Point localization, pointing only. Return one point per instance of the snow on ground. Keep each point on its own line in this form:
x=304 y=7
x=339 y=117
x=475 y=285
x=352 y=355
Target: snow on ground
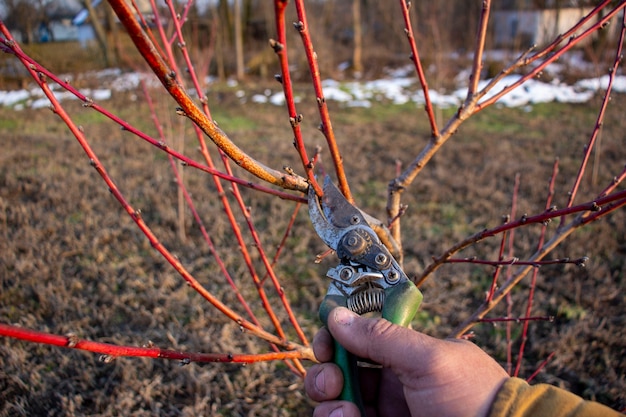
x=399 y=87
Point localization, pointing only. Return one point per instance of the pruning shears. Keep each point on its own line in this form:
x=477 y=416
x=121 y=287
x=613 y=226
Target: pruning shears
x=367 y=279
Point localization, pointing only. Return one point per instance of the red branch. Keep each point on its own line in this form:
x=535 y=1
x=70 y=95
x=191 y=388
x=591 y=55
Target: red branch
x=509 y=273
x=516 y=319
x=533 y=281
x=515 y=261
x=415 y=57
x=170 y=81
x=605 y=102
x=73 y=342
x=280 y=48
x=135 y=215
x=326 y=125
x=540 y=367
x=596 y=208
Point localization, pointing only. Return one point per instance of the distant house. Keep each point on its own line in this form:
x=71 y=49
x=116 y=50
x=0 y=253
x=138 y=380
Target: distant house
x=523 y=28
x=61 y=25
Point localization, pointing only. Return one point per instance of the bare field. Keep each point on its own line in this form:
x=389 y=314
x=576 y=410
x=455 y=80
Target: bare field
x=71 y=261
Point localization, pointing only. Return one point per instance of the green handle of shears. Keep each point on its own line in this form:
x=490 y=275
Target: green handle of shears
x=401 y=304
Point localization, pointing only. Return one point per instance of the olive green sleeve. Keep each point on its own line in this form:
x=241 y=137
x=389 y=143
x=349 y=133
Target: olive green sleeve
x=516 y=398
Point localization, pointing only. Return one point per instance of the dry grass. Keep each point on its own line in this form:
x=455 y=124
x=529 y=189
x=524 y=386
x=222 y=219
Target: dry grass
x=70 y=261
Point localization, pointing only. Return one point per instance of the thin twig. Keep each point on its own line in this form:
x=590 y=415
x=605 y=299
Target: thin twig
x=479 y=49
x=509 y=270
x=516 y=261
x=540 y=367
x=516 y=319
x=533 y=281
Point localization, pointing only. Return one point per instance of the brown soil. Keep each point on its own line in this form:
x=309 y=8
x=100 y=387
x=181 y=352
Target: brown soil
x=72 y=261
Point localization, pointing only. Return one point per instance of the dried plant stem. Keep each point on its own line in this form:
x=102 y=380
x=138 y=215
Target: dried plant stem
x=169 y=80
x=325 y=125
x=73 y=342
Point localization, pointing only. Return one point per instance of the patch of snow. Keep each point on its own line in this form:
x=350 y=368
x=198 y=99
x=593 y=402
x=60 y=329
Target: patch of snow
x=277 y=99
x=101 y=94
x=10 y=98
x=601 y=83
x=259 y=98
x=359 y=103
x=398 y=88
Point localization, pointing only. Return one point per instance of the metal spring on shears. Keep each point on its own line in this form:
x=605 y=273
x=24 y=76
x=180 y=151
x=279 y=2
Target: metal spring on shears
x=366 y=301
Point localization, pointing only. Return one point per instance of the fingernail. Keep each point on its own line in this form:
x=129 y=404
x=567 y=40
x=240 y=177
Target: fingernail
x=337 y=412
x=344 y=316
x=320 y=382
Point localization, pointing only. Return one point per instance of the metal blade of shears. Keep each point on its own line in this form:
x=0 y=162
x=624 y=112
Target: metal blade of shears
x=333 y=214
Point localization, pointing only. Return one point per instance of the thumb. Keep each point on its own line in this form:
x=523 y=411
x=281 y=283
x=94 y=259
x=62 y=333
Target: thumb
x=381 y=341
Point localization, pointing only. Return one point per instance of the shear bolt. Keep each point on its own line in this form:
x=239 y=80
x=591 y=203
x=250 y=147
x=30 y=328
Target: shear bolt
x=354 y=244
x=346 y=273
x=380 y=259
x=392 y=277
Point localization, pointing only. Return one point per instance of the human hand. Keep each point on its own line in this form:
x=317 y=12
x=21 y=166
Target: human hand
x=420 y=375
